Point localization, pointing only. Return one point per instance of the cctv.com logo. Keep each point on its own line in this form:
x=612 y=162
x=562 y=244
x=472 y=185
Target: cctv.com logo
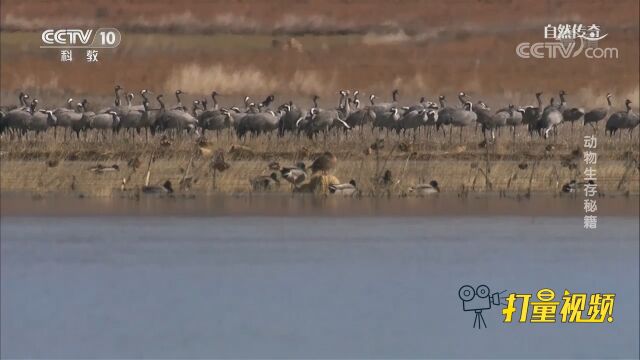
x=561 y=42
x=559 y=50
x=479 y=300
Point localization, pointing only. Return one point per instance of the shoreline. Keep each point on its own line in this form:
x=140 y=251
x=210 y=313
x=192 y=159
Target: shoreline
x=22 y=204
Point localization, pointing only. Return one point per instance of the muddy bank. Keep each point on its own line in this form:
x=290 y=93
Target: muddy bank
x=488 y=204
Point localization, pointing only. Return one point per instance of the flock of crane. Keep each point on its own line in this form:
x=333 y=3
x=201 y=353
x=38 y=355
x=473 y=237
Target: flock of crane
x=262 y=118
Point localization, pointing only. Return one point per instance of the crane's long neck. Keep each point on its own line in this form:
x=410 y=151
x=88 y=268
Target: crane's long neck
x=443 y=103
x=178 y=98
x=539 y=101
x=117 y=102
x=315 y=102
x=215 y=102
x=161 y=103
x=628 y=106
x=395 y=96
x=609 y=101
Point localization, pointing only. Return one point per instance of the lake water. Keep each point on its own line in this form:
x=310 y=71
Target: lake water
x=299 y=286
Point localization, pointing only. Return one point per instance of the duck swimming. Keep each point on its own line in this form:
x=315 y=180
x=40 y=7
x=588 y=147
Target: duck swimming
x=99 y=169
x=165 y=188
x=426 y=189
x=347 y=189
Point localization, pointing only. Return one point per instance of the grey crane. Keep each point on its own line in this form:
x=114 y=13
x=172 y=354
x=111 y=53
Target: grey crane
x=149 y=121
x=413 y=119
x=484 y=116
x=462 y=118
x=387 y=120
x=515 y=119
x=117 y=89
x=532 y=114
x=175 y=119
x=444 y=114
x=360 y=116
x=493 y=122
x=234 y=116
x=215 y=119
x=216 y=106
x=570 y=114
x=288 y=120
x=551 y=117
x=103 y=122
x=264 y=105
x=71 y=119
x=16 y=119
x=382 y=108
x=22 y=103
x=41 y=121
x=179 y=105
x=598 y=114
x=258 y=123
x=80 y=119
x=322 y=120
x=620 y=120
x=131 y=119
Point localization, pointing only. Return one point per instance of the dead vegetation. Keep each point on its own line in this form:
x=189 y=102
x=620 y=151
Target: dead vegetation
x=381 y=168
x=304 y=17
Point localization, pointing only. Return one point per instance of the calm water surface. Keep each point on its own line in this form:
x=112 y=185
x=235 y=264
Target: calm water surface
x=321 y=287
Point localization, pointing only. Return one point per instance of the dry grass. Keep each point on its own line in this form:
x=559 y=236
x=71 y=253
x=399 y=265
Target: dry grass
x=309 y=16
x=459 y=168
x=484 y=66
x=423 y=48
x=196 y=79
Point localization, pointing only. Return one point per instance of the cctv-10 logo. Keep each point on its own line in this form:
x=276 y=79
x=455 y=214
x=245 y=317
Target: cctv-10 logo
x=81 y=38
x=523 y=308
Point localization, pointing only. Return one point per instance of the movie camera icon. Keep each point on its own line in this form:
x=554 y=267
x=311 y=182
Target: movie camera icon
x=479 y=299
